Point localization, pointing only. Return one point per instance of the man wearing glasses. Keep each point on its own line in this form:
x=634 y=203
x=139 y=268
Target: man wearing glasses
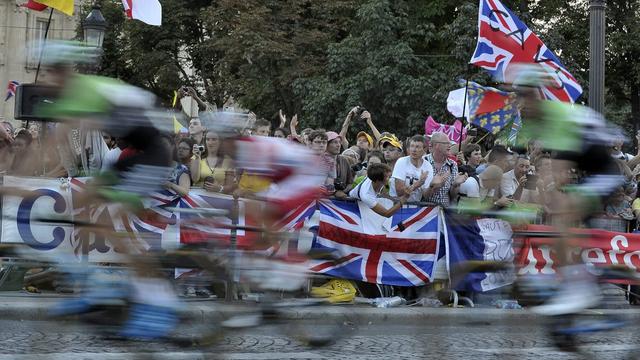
x=447 y=181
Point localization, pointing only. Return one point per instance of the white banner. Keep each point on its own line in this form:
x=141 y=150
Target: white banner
x=53 y=199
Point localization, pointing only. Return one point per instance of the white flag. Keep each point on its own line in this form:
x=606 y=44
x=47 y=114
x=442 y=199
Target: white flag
x=455 y=103
x=147 y=11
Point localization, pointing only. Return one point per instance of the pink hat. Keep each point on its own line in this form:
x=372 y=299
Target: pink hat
x=332 y=135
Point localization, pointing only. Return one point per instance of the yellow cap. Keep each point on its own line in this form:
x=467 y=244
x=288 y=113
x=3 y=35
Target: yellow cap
x=369 y=138
x=391 y=139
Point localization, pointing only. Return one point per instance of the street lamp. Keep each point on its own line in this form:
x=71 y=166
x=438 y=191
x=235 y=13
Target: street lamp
x=94 y=27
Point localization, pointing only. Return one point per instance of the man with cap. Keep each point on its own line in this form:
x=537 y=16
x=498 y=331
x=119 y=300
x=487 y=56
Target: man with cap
x=391 y=148
x=364 y=141
x=344 y=173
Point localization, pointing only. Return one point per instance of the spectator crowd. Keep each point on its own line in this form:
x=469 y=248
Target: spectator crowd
x=368 y=167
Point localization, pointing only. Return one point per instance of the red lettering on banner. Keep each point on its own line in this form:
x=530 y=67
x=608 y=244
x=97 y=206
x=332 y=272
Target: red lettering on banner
x=600 y=248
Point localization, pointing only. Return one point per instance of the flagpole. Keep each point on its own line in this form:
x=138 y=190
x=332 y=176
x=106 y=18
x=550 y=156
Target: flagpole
x=44 y=42
x=464 y=109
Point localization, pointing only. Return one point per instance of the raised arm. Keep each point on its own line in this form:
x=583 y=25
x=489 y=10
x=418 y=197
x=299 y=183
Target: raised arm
x=345 y=127
x=283 y=119
x=292 y=127
x=367 y=116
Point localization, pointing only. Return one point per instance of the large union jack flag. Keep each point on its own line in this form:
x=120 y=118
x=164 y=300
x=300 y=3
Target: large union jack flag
x=404 y=254
x=504 y=40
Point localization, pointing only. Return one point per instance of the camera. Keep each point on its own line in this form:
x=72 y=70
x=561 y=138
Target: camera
x=200 y=148
x=359 y=166
x=339 y=185
x=472 y=132
x=532 y=181
x=359 y=111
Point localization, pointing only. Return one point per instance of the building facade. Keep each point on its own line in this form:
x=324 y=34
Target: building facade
x=20 y=27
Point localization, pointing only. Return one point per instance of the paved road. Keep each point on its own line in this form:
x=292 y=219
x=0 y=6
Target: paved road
x=21 y=340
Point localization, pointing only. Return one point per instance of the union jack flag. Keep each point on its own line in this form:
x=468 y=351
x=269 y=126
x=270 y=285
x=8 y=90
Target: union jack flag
x=145 y=230
x=197 y=228
x=404 y=253
x=11 y=89
x=504 y=40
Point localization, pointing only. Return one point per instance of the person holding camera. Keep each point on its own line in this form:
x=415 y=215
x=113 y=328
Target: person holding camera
x=520 y=183
x=210 y=168
x=363 y=140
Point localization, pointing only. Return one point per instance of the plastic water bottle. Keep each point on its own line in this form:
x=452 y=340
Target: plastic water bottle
x=390 y=302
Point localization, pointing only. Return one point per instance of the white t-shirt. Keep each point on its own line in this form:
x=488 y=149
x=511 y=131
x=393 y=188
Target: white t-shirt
x=111 y=158
x=365 y=193
x=470 y=188
x=405 y=171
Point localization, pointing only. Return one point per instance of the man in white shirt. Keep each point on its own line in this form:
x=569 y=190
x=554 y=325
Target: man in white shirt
x=112 y=155
x=369 y=190
x=514 y=181
x=412 y=174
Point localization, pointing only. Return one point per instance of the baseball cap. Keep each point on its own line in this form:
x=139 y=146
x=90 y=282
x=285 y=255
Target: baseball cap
x=392 y=140
x=332 y=135
x=369 y=138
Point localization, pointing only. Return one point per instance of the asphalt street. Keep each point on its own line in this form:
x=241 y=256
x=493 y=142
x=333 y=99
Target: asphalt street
x=380 y=340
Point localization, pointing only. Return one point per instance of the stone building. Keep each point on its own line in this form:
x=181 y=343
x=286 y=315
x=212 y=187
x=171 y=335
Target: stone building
x=19 y=27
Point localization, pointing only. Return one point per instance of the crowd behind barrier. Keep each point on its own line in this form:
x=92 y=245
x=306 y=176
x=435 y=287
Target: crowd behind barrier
x=380 y=170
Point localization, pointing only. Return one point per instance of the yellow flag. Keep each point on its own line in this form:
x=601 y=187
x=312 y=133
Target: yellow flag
x=66 y=6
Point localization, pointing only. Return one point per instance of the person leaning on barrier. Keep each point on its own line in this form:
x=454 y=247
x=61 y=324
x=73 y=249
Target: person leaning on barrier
x=368 y=192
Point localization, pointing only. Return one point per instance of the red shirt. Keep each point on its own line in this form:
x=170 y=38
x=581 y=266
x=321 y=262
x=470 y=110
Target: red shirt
x=126 y=153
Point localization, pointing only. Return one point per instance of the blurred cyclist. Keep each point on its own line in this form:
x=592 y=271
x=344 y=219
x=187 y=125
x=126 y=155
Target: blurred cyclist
x=578 y=138
x=294 y=171
x=104 y=104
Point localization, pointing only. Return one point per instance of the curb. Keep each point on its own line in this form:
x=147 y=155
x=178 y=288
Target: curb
x=207 y=311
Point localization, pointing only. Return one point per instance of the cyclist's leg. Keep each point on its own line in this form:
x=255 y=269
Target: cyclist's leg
x=579 y=288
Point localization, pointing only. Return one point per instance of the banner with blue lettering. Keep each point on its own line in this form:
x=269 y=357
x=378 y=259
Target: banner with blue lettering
x=49 y=199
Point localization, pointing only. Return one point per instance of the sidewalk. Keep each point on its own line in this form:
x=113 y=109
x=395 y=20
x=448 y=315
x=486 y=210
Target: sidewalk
x=34 y=307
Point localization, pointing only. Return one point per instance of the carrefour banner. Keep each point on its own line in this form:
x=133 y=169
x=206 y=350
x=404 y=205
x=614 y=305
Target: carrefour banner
x=598 y=247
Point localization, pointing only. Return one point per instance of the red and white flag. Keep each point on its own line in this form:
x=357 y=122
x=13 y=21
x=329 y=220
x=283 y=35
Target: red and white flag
x=34 y=5
x=147 y=11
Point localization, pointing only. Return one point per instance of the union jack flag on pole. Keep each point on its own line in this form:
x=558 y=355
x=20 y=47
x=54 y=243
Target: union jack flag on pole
x=11 y=89
x=504 y=40
x=402 y=250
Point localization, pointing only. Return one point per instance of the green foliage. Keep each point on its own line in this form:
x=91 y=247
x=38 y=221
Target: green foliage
x=397 y=58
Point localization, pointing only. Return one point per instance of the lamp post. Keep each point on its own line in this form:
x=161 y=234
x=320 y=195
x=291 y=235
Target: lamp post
x=94 y=27
x=597 y=29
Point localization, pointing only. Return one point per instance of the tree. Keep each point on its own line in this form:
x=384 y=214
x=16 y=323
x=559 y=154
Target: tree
x=400 y=62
